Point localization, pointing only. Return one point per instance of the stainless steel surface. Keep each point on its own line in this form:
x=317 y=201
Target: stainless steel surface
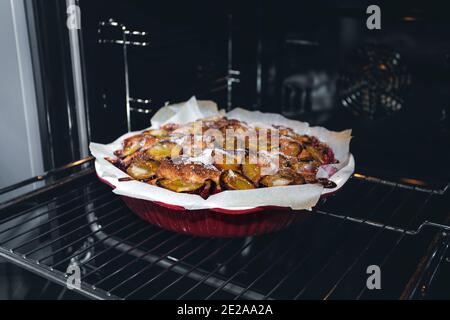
x=78 y=84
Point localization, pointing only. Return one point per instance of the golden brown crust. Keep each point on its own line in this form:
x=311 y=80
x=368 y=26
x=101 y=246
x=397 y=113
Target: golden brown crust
x=192 y=172
x=294 y=159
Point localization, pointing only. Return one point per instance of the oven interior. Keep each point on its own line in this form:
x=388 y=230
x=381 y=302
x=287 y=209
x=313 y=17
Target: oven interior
x=306 y=60
x=311 y=61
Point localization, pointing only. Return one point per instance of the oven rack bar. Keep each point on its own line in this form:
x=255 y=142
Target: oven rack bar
x=46 y=175
x=423 y=225
x=416 y=186
x=54 y=275
x=413 y=184
x=80 y=223
x=169 y=263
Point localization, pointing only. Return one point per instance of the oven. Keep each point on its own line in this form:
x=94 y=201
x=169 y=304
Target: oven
x=103 y=68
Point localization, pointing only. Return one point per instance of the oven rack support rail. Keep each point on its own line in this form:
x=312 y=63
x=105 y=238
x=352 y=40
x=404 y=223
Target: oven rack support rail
x=112 y=32
x=415 y=185
x=423 y=275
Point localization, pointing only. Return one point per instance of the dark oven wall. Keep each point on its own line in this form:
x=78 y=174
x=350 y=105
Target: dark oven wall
x=321 y=64
x=173 y=54
x=212 y=50
x=313 y=61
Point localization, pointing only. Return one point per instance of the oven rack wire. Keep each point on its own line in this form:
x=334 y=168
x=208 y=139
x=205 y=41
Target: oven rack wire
x=75 y=220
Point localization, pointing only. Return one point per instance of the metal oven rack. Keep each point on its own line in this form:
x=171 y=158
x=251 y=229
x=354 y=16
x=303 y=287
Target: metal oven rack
x=76 y=221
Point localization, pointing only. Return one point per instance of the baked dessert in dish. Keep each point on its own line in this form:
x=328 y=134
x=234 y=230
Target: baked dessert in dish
x=211 y=155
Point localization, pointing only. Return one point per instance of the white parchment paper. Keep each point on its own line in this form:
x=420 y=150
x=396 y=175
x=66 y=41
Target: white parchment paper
x=297 y=197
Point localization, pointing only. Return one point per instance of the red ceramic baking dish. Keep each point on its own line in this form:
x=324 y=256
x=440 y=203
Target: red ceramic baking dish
x=214 y=222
